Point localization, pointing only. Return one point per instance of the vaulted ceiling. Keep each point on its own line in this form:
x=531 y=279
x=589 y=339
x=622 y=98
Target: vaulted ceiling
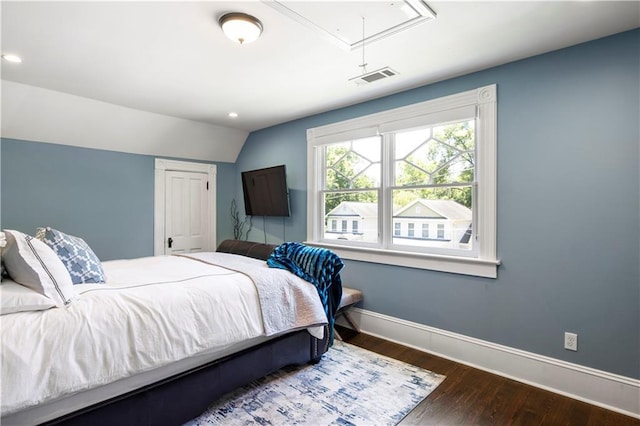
x=172 y=58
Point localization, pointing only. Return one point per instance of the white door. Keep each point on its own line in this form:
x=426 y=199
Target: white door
x=186 y=212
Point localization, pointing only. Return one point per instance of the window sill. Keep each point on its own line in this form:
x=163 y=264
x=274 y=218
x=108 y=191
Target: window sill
x=452 y=264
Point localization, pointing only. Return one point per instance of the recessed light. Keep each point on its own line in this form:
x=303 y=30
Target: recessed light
x=12 y=58
x=233 y=115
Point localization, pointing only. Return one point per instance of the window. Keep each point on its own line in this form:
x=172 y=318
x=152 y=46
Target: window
x=344 y=226
x=334 y=225
x=354 y=227
x=432 y=161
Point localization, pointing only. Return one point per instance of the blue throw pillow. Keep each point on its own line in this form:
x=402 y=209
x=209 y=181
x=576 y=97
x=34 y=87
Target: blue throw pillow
x=76 y=255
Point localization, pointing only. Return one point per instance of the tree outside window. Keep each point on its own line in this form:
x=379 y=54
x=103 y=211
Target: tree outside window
x=430 y=164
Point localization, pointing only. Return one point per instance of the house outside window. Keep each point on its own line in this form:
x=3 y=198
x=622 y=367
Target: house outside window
x=414 y=165
x=425 y=230
x=356 y=220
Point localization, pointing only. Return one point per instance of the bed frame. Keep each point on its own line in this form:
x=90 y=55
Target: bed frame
x=178 y=399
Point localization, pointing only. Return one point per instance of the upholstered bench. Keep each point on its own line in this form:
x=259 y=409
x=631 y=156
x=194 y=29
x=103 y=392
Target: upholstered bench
x=350 y=297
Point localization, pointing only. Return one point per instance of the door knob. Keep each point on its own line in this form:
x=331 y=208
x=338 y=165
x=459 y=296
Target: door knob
x=170 y=241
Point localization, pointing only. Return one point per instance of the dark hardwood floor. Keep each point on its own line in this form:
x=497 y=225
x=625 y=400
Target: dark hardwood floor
x=469 y=396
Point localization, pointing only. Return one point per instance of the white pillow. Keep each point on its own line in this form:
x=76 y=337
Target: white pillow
x=17 y=298
x=33 y=264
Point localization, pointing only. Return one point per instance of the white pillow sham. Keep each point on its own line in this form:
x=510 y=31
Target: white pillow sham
x=18 y=298
x=33 y=264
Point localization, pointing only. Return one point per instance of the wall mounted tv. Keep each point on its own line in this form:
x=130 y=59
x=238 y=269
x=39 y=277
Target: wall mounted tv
x=265 y=192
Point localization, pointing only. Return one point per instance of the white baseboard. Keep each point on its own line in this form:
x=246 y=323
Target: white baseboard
x=607 y=390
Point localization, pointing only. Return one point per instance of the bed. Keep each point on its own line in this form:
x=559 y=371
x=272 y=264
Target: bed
x=147 y=348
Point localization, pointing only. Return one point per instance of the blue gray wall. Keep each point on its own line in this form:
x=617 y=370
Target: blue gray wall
x=104 y=197
x=568 y=209
x=568 y=206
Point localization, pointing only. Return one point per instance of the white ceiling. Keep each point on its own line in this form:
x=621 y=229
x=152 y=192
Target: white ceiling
x=171 y=58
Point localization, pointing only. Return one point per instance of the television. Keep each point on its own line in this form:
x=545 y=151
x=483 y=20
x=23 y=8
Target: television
x=265 y=192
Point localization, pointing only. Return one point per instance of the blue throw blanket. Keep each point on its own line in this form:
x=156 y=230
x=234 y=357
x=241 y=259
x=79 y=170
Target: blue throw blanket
x=321 y=267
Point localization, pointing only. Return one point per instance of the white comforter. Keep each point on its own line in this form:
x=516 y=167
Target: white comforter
x=153 y=311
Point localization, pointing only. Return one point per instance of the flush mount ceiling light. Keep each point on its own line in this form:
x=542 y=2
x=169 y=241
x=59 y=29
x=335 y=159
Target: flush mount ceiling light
x=240 y=27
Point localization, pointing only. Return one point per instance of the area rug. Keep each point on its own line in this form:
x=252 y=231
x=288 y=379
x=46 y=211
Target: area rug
x=349 y=386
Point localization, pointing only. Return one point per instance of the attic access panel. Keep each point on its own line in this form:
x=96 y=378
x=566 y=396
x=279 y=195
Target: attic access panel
x=341 y=21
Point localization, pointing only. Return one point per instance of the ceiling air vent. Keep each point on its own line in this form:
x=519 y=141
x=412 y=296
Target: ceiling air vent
x=372 y=76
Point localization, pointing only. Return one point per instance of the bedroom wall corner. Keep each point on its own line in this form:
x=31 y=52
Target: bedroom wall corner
x=276 y=147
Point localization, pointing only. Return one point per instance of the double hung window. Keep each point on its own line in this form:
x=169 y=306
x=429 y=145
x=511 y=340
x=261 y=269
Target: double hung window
x=427 y=166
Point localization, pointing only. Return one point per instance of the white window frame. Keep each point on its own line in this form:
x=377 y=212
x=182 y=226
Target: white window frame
x=483 y=261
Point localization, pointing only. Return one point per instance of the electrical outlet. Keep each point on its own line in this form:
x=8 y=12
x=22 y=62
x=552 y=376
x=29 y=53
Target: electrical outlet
x=571 y=341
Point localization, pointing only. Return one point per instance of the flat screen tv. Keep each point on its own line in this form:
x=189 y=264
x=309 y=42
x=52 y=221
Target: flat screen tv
x=265 y=192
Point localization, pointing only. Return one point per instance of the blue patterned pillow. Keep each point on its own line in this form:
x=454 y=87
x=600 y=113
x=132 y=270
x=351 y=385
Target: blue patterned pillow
x=81 y=262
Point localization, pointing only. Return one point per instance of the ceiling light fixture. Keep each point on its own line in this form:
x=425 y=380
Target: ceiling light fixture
x=12 y=58
x=240 y=27
x=233 y=115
